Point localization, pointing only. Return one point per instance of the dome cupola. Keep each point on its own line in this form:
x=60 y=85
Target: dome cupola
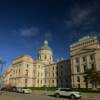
x=45 y=53
x=45 y=46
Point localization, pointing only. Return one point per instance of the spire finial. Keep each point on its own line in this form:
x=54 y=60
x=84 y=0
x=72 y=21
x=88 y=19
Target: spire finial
x=46 y=42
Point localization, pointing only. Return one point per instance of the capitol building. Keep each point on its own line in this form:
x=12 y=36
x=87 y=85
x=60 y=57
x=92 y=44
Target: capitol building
x=68 y=73
x=26 y=72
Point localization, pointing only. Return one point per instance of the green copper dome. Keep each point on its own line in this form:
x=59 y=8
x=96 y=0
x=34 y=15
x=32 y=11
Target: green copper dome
x=45 y=46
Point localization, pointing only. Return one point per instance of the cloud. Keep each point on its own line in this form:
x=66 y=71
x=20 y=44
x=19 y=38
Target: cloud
x=81 y=16
x=28 y=32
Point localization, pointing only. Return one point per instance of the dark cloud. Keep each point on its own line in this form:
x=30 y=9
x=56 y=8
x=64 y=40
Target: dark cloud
x=81 y=16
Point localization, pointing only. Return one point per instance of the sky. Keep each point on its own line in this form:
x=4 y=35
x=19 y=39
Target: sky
x=25 y=24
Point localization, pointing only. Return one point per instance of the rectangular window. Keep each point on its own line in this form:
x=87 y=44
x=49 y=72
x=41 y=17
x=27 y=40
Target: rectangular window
x=41 y=74
x=38 y=74
x=53 y=74
x=92 y=57
x=84 y=59
x=53 y=67
x=61 y=73
x=38 y=66
x=78 y=68
x=93 y=66
x=27 y=65
x=41 y=81
x=85 y=67
x=78 y=79
x=37 y=81
x=45 y=57
x=77 y=60
x=52 y=81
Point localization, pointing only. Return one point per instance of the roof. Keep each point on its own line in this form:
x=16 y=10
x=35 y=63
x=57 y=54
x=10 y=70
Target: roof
x=84 y=39
x=45 y=46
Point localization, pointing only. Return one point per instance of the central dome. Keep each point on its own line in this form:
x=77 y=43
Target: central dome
x=45 y=46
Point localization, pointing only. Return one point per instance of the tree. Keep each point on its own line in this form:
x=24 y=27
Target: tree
x=86 y=80
x=92 y=76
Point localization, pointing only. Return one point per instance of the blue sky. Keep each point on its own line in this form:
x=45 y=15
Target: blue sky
x=25 y=24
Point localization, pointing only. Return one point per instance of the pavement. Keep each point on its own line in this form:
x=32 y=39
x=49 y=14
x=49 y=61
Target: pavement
x=4 y=97
x=19 y=96
x=43 y=95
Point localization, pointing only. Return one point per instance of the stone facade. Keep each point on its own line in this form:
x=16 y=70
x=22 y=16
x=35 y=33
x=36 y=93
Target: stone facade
x=50 y=75
x=64 y=74
x=25 y=72
x=85 y=54
x=8 y=75
x=22 y=72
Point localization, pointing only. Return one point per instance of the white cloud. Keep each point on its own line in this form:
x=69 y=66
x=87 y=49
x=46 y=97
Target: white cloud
x=28 y=32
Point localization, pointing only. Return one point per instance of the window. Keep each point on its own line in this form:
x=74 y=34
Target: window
x=78 y=68
x=26 y=74
x=92 y=57
x=37 y=81
x=61 y=66
x=78 y=79
x=53 y=67
x=85 y=67
x=41 y=74
x=26 y=70
x=38 y=74
x=52 y=81
x=39 y=66
x=27 y=65
x=41 y=81
x=77 y=60
x=61 y=73
x=84 y=59
x=39 y=56
x=19 y=71
x=50 y=58
x=53 y=74
x=45 y=57
x=93 y=66
x=65 y=89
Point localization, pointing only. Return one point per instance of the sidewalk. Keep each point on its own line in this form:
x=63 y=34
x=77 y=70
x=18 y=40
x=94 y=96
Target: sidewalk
x=3 y=97
x=42 y=92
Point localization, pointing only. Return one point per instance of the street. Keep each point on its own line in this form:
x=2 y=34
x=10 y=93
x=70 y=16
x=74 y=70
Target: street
x=18 y=96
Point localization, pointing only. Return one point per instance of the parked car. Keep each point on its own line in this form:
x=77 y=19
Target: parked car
x=3 y=89
x=9 y=88
x=19 y=90
x=67 y=92
x=24 y=90
x=12 y=89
